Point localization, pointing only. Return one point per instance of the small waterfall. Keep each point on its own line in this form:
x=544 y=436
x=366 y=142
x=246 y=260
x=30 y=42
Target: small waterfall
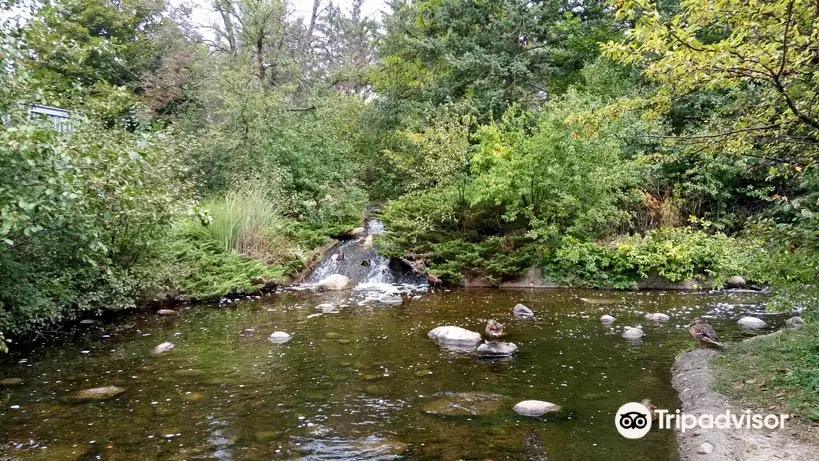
x=358 y=260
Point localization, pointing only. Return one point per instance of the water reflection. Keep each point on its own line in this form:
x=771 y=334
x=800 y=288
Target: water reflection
x=357 y=383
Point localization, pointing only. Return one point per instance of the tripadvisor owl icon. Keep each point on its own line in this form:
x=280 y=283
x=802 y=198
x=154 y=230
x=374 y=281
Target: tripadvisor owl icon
x=633 y=420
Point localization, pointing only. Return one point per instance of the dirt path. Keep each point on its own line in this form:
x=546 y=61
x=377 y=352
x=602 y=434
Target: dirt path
x=692 y=377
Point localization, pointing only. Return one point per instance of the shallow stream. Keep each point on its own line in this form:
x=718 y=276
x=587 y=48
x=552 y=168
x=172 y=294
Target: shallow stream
x=359 y=381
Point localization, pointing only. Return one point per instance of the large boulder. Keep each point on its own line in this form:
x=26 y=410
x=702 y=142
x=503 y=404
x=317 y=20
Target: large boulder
x=535 y=408
x=493 y=349
x=522 y=312
x=752 y=323
x=455 y=337
x=335 y=282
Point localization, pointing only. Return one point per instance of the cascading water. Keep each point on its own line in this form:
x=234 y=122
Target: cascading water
x=375 y=275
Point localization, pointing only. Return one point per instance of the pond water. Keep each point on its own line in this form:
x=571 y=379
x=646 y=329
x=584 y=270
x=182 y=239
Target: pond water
x=361 y=382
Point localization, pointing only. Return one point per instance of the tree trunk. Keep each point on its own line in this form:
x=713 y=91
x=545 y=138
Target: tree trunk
x=312 y=26
x=225 y=8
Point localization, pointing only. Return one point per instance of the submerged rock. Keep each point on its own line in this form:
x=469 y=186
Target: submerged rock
x=522 y=312
x=166 y=312
x=390 y=298
x=793 y=322
x=11 y=381
x=601 y=300
x=97 y=393
x=735 y=281
x=88 y=322
x=164 y=347
x=752 y=323
x=335 y=282
x=326 y=308
x=633 y=333
x=658 y=317
x=452 y=336
x=607 y=318
x=535 y=408
x=463 y=404
x=496 y=349
x=279 y=337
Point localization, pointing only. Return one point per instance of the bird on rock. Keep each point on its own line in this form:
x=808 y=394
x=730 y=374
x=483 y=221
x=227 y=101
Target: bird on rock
x=494 y=329
x=703 y=333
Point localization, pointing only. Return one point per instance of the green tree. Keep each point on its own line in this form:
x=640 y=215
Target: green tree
x=83 y=43
x=760 y=54
x=491 y=53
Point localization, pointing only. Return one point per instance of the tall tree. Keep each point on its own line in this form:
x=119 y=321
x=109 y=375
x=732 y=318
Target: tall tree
x=490 y=52
x=345 y=47
x=84 y=42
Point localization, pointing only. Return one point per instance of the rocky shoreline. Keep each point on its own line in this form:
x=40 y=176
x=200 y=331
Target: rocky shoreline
x=692 y=378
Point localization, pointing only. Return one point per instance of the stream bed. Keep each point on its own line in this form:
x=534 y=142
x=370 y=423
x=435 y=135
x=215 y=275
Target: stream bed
x=359 y=381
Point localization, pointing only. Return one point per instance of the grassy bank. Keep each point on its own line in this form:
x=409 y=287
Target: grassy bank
x=778 y=373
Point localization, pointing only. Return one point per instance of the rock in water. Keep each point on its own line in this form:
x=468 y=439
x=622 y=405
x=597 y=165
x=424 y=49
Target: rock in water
x=279 y=337
x=390 y=298
x=522 y=312
x=496 y=349
x=164 y=347
x=633 y=333
x=658 y=317
x=735 y=281
x=97 y=393
x=795 y=322
x=334 y=282
x=326 y=308
x=463 y=404
x=358 y=232
x=88 y=322
x=752 y=323
x=451 y=336
x=166 y=312
x=607 y=319
x=11 y=382
x=535 y=408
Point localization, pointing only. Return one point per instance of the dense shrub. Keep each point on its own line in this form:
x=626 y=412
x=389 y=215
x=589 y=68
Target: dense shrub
x=81 y=213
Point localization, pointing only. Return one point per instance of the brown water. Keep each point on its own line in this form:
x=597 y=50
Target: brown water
x=356 y=384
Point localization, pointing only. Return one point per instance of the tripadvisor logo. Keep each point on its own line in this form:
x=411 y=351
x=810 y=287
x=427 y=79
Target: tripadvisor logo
x=633 y=420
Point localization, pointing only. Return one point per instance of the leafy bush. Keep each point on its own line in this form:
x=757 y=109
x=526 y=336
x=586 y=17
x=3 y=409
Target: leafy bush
x=676 y=254
x=81 y=214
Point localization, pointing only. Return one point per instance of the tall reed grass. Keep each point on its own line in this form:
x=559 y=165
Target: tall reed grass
x=247 y=221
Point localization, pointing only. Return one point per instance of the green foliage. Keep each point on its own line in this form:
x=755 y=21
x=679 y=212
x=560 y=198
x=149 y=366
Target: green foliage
x=675 y=254
x=88 y=46
x=79 y=213
x=246 y=221
x=490 y=54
